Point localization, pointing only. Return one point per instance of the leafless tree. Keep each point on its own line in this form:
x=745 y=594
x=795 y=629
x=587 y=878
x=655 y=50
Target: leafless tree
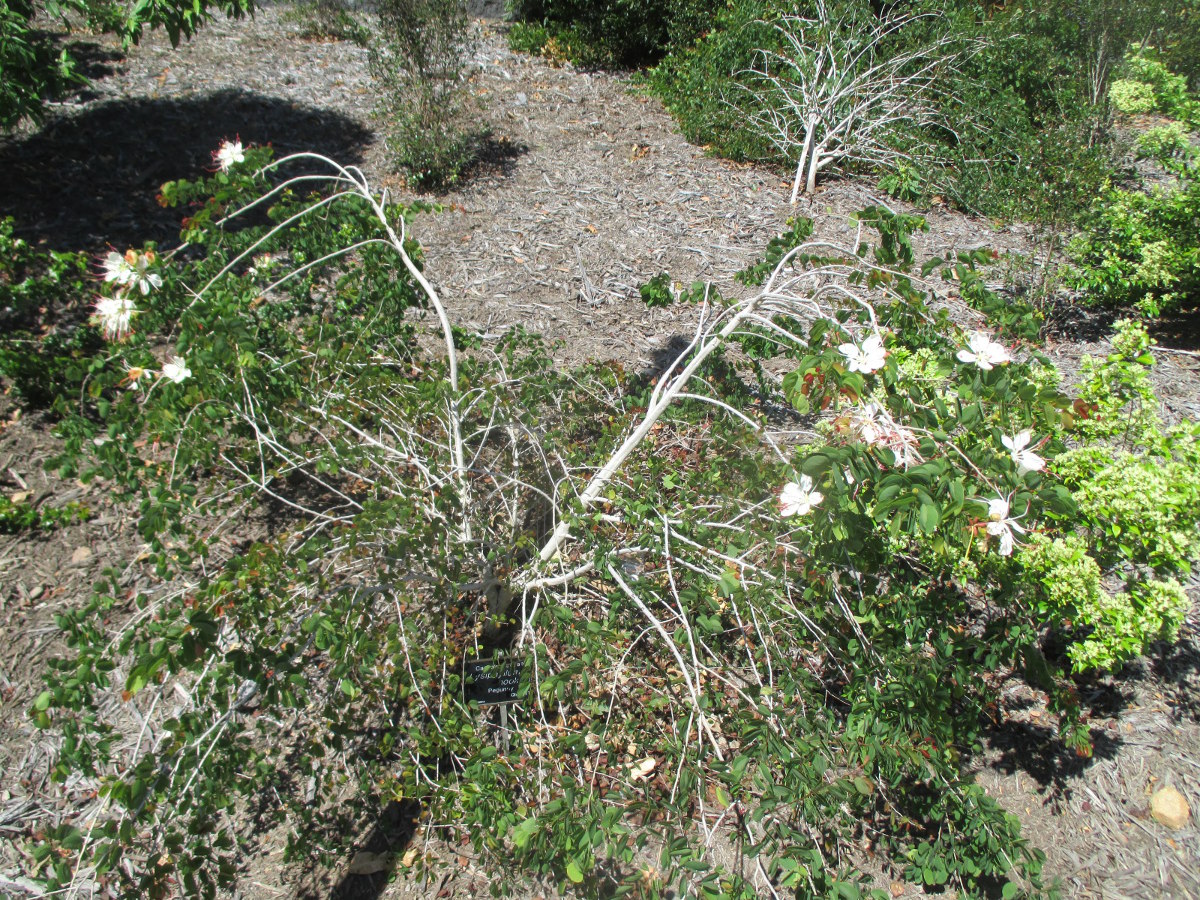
x=835 y=93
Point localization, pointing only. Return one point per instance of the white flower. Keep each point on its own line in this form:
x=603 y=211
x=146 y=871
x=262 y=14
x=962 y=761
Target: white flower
x=133 y=375
x=229 y=154
x=262 y=265
x=176 y=370
x=865 y=423
x=866 y=359
x=799 y=499
x=1001 y=525
x=119 y=268
x=874 y=425
x=984 y=352
x=142 y=276
x=114 y=315
x=1026 y=460
x=132 y=270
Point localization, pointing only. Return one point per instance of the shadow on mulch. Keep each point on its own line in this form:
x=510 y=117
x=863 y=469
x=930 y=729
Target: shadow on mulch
x=1077 y=322
x=90 y=180
x=1038 y=751
x=94 y=61
x=1178 y=665
x=1178 y=330
x=497 y=158
x=391 y=835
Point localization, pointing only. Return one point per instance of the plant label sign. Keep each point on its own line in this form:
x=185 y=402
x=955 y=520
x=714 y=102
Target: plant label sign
x=494 y=680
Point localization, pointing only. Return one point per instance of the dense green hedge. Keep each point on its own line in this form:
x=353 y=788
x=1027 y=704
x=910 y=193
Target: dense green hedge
x=620 y=32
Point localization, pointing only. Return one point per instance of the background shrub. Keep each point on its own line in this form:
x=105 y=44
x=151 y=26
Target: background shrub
x=330 y=20
x=1138 y=250
x=625 y=33
x=421 y=60
x=698 y=82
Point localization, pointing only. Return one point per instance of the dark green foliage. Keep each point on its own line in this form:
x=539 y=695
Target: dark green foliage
x=43 y=341
x=1013 y=317
x=1177 y=38
x=33 y=67
x=697 y=82
x=1025 y=131
x=800 y=230
x=618 y=32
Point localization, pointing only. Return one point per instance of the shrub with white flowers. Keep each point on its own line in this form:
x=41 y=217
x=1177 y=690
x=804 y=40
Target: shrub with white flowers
x=751 y=643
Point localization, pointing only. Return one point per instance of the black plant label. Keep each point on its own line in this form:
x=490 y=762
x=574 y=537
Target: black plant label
x=494 y=680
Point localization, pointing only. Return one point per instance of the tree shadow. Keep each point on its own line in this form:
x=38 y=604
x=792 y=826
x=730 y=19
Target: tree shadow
x=496 y=159
x=1038 y=751
x=389 y=837
x=94 y=61
x=1073 y=321
x=90 y=180
x=1177 y=665
x=1179 y=330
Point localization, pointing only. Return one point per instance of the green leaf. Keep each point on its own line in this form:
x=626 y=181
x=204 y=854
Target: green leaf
x=728 y=583
x=864 y=785
x=524 y=831
x=42 y=703
x=815 y=464
x=928 y=517
x=574 y=872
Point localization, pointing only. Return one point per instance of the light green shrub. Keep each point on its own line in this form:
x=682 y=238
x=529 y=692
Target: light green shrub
x=1133 y=97
x=1138 y=250
x=1147 y=85
x=1170 y=143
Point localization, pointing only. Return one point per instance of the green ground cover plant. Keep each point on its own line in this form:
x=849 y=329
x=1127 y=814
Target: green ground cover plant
x=753 y=641
x=42 y=298
x=20 y=515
